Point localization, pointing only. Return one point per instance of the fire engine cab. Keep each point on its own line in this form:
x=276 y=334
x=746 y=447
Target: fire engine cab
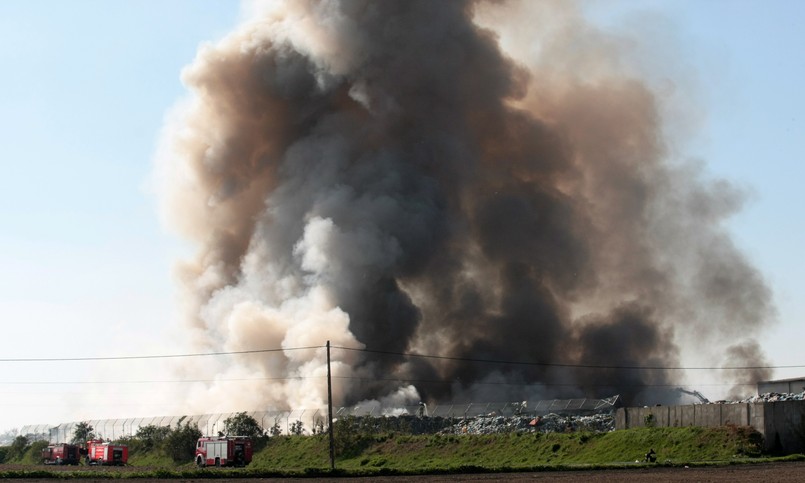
x=61 y=454
x=100 y=453
x=223 y=451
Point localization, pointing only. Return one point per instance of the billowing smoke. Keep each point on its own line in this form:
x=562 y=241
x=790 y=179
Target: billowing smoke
x=390 y=176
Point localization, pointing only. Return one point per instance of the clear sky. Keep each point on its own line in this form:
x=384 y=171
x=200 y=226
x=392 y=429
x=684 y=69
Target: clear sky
x=85 y=267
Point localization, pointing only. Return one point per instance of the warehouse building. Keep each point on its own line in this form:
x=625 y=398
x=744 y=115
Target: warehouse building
x=782 y=386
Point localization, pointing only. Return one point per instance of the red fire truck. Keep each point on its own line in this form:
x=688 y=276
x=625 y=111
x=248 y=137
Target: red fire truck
x=100 y=453
x=223 y=451
x=61 y=454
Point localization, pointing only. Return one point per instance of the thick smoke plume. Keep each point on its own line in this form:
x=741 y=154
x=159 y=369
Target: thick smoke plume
x=397 y=177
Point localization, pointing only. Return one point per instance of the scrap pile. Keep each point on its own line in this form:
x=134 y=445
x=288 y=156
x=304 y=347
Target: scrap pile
x=771 y=397
x=602 y=422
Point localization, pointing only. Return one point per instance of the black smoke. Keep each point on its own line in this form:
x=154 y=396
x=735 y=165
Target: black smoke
x=384 y=175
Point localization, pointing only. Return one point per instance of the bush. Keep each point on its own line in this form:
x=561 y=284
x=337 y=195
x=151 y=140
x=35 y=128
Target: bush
x=241 y=424
x=82 y=433
x=152 y=437
x=17 y=448
x=275 y=430
x=33 y=454
x=297 y=428
x=180 y=444
x=351 y=436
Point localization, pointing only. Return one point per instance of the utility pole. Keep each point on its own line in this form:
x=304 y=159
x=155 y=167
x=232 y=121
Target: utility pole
x=330 y=409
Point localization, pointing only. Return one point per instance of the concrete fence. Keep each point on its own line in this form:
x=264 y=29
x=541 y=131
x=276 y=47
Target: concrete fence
x=781 y=423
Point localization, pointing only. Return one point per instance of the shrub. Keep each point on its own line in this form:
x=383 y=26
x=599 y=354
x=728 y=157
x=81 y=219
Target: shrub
x=17 y=448
x=152 y=437
x=33 y=454
x=350 y=436
x=180 y=443
x=275 y=430
x=82 y=433
x=297 y=428
x=242 y=424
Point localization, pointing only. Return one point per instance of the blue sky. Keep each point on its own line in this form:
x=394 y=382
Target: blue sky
x=84 y=89
x=748 y=55
x=746 y=71
x=85 y=86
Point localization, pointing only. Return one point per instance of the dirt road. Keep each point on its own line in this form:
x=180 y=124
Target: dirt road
x=764 y=472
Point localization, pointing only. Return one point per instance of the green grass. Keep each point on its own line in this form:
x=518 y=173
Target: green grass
x=517 y=451
x=406 y=454
x=526 y=451
x=151 y=459
x=297 y=452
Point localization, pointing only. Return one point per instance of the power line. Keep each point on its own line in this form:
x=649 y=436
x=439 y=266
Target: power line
x=417 y=381
x=548 y=384
x=165 y=381
x=156 y=356
x=556 y=364
x=402 y=354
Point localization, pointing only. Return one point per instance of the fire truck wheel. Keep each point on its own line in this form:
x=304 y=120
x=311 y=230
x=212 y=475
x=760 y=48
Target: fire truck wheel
x=199 y=462
x=218 y=462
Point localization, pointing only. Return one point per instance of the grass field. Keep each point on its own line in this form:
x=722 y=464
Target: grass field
x=406 y=454
x=518 y=450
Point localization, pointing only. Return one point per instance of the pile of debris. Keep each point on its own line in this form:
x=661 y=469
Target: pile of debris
x=489 y=425
x=405 y=424
x=771 y=397
x=597 y=423
x=486 y=423
x=549 y=423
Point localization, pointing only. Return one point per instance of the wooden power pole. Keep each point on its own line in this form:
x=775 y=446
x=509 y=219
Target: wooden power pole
x=330 y=409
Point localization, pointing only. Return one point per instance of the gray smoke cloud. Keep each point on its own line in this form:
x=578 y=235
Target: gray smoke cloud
x=392 y=176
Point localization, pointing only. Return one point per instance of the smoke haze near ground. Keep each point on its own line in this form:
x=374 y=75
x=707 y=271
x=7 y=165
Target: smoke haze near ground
x=488 y=181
